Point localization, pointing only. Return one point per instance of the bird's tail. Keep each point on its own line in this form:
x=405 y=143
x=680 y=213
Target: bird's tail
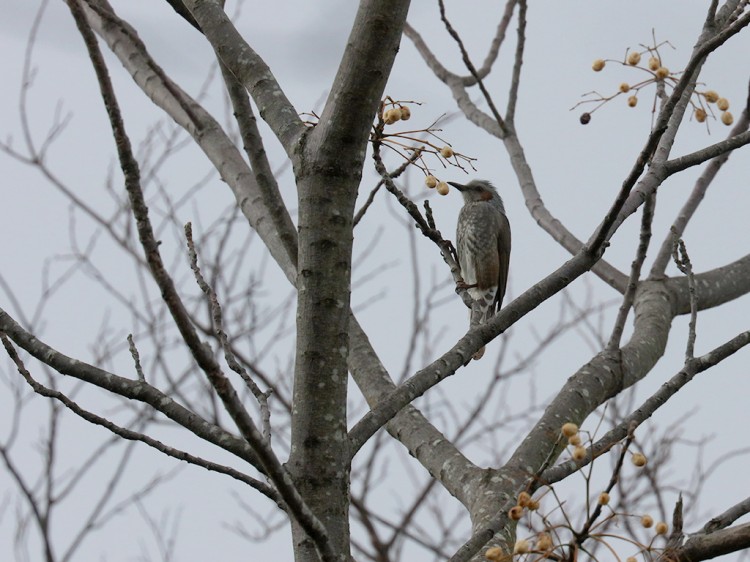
x=482 y=311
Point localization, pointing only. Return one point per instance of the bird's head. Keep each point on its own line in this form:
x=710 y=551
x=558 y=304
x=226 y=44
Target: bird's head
x=479 y=190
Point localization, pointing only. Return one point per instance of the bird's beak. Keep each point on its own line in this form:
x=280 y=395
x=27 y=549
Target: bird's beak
x=458 y=186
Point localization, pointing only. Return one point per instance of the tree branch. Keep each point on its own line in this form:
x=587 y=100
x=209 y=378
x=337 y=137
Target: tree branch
x=206 y=132
x=635 y=273
x=251 y=70
x=131 y=435
x=647 y=409
x=701 y=186
x=718 y=543
x=271 y=465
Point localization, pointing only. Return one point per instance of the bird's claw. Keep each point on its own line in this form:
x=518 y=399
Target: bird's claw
x=463 y=285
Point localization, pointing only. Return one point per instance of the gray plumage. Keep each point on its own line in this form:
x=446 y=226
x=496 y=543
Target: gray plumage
x=483 y=246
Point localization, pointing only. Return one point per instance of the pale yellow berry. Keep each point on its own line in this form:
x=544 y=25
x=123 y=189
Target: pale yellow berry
x=647 y=521
x=662 y=72
x=727 y=118
x=569 y=429
x=533 y=505
x=624 y=87
x=574 y=440
x=711 y=96
x=603 y=498
x=446 y=152
x=391 y=116
x=579 y=453
x=639 y=459
x=431 y=181
x=634 y=58
x=405 y=114
x=523 y=499
x=544 y=542
x=654 y=63
x=722 y=104
x=442 y=188
x=661 y=528
x=494 y=554
x=700 y=115
x=516 y=512
x=598 y=65
x=632 y=101
x=631 y=559
x=521 y=547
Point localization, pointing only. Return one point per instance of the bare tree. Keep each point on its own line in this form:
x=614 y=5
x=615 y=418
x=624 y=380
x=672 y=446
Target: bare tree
x=199 y=341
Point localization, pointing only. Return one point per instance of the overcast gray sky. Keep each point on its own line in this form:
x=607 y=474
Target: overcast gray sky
x=578 y=170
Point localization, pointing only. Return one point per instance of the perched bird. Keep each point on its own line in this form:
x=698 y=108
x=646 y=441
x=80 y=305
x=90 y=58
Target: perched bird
x=483 y=246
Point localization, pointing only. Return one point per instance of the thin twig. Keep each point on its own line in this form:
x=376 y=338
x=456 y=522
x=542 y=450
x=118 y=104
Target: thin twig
x=136 y=358
x=676 y=537
x=635 y=273
x=682 y=260
x=218 y=322
x=580 y=536
x=445 y=246
x=721 y=153
x=472 y=69
x=131 y=435
x=413 y=157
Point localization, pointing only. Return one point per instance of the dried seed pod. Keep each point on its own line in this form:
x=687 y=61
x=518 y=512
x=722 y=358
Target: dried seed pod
x=523 y=499
x=569 y=429
x=662 y=72
x=632 y=101
x=722 y=104
x=442 y=188
x=405 y=113
x=391 y=116
x=521 y=547
x=585 y=118
x=639 y=459
x=494 y=554
x=574 y=440
x=654 y=63
x=598 y=65
x=446 y=152
x=711 y=96
x=634 y=57
x=700 y=115
x=727 y=118
x=603 y=498
x=579 y=453
x=515 y=512
x=431 y=181
x=544 y=542
x=661 y=528
x=624 y=87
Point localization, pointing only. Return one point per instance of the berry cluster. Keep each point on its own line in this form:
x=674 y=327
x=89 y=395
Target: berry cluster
x=391 y=112
x=656 y=74
x=560 y=541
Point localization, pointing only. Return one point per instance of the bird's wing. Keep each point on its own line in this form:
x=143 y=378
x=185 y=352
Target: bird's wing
x=503 y=252
x=465 y=259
